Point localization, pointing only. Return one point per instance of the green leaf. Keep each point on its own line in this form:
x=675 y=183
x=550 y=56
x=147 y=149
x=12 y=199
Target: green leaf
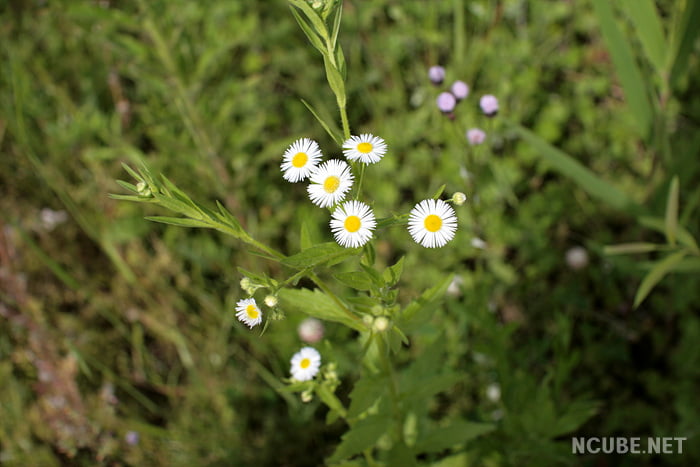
x=330 y=399
x=439 y=191
x=333 y=134
x=576 y=415
x=127 y=186
x=179 y=221
x=363 y=435
x=400 y=454
x=319 y=254
x=426 y=299
x=631 y=78
x=335 y=29
x=655 y=275
x=671 y=220
x=631 y=248
x=355 y=280
x=138 y=199
x=177 y=206
x=457 y=433
x=684 y=40
x=392 y=274
x=683 y=236
x=648 y=27
x=316 y=42
x=305 y=241
x=319 y=305
x=365 y=394
x=319 y=26
x=585 y=178
x=335 y=80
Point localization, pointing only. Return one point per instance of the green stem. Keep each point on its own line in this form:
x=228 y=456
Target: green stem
x=385 y=359
x=344 y=120
x=359 y=182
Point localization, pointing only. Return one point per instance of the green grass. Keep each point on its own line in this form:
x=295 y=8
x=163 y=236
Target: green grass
x=110 y=323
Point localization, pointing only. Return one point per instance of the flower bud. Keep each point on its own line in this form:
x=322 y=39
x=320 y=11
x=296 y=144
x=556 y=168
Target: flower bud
x=577 y=258
x=143 y=189
x=381 y=324
x=459 y=198
x=271 y=301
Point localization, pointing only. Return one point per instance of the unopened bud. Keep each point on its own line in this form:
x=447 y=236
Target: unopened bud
x=459 y=198
x=271 y=301
x=381 y=324
x=143 y=189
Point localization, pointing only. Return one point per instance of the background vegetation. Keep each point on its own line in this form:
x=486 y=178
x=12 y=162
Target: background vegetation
x=118 y=342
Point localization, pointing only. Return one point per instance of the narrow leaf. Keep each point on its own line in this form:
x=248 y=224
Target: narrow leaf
x=626 y=68
x=316 y=22
x=392 y=274
x=179 y=221
x=308 y=31
x=333 y=133
x=439 y=191
x=655 y=275
x=585 y=178
x=335 y=80
x=426 y=299
x=683 y=236
x=648 y=27
x=630 y=248
x=685 y=38
x=671 y=220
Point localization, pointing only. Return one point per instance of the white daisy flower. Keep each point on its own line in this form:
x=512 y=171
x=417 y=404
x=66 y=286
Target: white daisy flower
x=432 y=223
x=365 y=148
x=329 y=183
x=305 y=364
x=300 y=159
x=248 y=312
x=352 y=224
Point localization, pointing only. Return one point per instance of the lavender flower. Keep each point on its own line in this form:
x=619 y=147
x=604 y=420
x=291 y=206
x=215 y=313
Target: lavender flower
x=489 y=105
x=436 y=74
x=475 y=136
x=460 y=90
x=446 y=102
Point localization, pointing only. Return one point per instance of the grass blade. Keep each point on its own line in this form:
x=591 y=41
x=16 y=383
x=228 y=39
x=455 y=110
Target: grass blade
x=671 y=220
x=625 y=66
x=585 y=178
x=684 y=40
x=655 y=275
x=647 y=24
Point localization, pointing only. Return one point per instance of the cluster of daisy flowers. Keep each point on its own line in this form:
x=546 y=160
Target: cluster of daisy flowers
x=432 y=223
x=447 y=102
x=305 y=363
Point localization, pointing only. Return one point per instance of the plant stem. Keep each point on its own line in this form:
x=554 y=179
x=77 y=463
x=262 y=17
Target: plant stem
x=322 y=285
x=393 y=385
x=344 y=120
x=361 y=178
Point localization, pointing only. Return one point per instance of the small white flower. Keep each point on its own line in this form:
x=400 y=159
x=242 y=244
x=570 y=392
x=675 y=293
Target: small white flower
x=305 y=364
x=432 y=223
x=300 y=159
x=248 y=312
x=366 y=148
x=329 y=183
x=352 y=224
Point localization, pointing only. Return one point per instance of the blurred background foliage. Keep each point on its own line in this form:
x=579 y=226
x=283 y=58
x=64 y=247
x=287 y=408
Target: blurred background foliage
x=118 y=343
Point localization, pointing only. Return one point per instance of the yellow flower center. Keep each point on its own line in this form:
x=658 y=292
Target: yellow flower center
x=352 y=223
x=364 y=147
x=252 y=311
x=299 y=160
x=304 y=363
x=432 y=223
x=331 y=184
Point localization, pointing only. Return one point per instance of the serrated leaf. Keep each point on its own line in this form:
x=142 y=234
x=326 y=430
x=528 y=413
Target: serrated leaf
x=363 y=435
x=319 y=305
x=366 y=392
x=456 y=433
x=671 y=218
x=355 y=280
x=319 y=254
x=630 y=248
x=655 y=275
x=178 y=221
